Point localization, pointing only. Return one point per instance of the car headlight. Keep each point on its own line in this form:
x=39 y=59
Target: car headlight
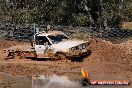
x=83 y=46
x=73 y=49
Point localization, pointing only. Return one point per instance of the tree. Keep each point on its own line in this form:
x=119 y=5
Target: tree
x=66 y=12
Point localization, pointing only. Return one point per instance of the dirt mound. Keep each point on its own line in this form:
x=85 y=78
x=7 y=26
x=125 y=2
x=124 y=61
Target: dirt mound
x=108 y=58
x=127 y=45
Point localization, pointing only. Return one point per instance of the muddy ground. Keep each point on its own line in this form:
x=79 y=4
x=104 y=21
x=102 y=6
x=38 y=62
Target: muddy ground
x=107 y=61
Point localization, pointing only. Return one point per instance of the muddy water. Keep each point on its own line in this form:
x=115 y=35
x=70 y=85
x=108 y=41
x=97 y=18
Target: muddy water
x=41 y=81
x=53 y=81
x=10 y=81
x=56 y=81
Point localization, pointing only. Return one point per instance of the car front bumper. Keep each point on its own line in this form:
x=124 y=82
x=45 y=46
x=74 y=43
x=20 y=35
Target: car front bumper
x=78 y=53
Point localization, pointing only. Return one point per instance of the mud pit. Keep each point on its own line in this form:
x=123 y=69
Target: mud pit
x=106 y=61
x=10 y=81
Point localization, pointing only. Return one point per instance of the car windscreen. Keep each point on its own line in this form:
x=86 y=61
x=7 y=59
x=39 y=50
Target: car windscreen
x=57 y=38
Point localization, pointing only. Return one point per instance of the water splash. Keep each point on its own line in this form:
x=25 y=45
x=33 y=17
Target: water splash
x=55 y=81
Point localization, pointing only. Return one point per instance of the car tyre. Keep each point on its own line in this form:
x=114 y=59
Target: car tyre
x=61 y=56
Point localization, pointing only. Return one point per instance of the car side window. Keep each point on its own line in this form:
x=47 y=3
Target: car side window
x=40 y=40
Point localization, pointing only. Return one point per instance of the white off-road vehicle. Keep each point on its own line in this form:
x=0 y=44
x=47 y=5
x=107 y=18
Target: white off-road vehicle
x=57 y=44
x=51 y=44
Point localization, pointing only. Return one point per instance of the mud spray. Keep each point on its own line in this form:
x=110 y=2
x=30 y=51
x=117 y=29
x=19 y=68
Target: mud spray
x=54 y=81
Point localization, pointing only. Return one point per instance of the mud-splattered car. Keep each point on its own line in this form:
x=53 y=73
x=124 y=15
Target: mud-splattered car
x=52 y=44
x=57 y=44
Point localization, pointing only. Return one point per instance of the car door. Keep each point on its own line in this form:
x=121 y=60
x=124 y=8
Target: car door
x=41 y=45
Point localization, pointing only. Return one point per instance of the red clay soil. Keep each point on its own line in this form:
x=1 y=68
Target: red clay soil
x=106 y=58
x=6 y=44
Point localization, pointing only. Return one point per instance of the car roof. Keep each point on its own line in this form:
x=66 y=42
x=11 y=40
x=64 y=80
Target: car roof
x=50 y=33
x=54 y=32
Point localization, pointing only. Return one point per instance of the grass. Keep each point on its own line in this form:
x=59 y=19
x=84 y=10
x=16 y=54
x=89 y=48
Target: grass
x=127 y=25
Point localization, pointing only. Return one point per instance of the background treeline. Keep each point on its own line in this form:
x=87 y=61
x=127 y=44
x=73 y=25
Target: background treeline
x=67 y=12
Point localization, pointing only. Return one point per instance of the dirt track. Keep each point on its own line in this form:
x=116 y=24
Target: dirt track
x=106 y=58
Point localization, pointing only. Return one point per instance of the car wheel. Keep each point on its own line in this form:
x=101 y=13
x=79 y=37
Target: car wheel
x=61 y=56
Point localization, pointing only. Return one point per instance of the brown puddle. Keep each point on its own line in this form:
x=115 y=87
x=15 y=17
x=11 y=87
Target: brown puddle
x=53 y=81
x=10 y=81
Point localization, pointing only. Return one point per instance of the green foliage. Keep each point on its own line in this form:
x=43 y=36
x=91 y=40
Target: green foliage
x=81 y=19
x=63 y=12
